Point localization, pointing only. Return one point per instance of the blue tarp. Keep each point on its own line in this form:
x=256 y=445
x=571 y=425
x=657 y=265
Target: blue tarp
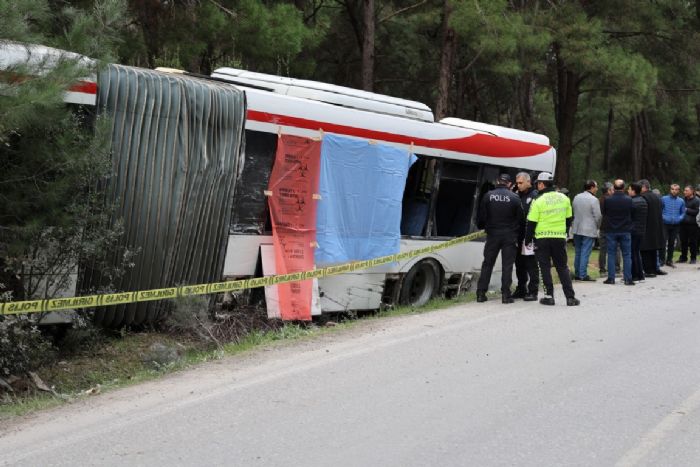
x=361 y=187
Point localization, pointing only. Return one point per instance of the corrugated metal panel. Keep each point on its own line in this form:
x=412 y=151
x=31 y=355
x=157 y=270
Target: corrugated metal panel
x=176 y=145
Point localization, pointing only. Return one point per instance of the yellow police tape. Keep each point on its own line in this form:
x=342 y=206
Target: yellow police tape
x=120 y=298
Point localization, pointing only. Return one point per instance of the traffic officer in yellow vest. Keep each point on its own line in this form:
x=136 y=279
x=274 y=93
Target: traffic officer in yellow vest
x=548 y=222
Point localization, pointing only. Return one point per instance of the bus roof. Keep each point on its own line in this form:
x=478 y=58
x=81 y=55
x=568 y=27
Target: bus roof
x=329 y=93
x=38 y=59
x=503 y=132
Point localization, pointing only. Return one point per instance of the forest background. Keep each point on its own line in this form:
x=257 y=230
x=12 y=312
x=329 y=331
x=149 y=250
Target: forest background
x=615 y=84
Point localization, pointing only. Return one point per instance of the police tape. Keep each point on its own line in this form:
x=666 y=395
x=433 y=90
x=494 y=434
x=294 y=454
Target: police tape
x=122 y=298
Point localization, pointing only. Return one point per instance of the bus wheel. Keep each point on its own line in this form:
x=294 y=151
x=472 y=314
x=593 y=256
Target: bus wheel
x=420 y=284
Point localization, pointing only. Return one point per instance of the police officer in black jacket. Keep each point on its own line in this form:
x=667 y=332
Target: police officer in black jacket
x=501 y=214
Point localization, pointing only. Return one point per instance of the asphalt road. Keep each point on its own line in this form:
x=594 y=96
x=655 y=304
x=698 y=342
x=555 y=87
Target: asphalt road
x=615 y=381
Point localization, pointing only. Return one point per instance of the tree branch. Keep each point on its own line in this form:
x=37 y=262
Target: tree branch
x=231 y=13
x=317 y=7
x=401 y=10
x=626 y=34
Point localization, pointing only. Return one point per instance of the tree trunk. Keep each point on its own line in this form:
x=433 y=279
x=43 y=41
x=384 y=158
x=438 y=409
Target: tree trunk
x=640 y=150
x=568 y=86
x=646 y=163
x=608 y=141
x=589 y=154
x=368 y=26
x=526 y=101
x=636 y=148
x=449 y=43
x=149 y=14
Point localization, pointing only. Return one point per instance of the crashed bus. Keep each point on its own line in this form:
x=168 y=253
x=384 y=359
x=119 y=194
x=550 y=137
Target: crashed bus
x=457 y=160
x=192 y=159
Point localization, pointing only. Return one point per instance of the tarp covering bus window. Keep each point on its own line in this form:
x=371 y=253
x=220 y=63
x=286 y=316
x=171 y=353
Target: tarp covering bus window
x=176 y=145
x=361 y=185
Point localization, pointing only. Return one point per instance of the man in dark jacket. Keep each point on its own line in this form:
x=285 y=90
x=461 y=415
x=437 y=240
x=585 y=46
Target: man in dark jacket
x=606 y=190
x=653 y=235
x=639 y=226
x=525 y=265
x=501 y=214
x=617 y=216
x=689 y=227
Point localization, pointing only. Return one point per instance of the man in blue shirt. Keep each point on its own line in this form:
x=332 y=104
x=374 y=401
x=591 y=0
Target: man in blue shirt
x=672 y=212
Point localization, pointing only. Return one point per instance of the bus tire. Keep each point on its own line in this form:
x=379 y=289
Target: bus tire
x=420 y=284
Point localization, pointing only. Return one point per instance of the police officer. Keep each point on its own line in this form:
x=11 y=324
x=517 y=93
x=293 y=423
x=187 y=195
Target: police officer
x=525 y=265
x=501 y=214
x=549 y=220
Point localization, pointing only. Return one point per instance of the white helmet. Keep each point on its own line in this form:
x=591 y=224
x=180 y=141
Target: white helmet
x=545 y=177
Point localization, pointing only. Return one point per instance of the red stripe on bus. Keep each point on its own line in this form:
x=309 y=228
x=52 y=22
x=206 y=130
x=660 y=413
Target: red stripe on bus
x=480 y=144
x=86 y=87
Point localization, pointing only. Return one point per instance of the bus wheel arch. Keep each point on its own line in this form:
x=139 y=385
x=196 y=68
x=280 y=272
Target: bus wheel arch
x=421 y=283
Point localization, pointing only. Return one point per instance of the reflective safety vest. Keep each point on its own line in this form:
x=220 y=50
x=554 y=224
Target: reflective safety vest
x=550 y=210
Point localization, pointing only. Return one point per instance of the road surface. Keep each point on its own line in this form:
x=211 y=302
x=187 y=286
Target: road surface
x=615 y=381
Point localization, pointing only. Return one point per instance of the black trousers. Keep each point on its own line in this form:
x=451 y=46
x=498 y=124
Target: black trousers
x=553 y=250
x=527 y=272
x=649 y=258
x=689 y=241
x=670 y=235
x=507 y=245
x=637 y=268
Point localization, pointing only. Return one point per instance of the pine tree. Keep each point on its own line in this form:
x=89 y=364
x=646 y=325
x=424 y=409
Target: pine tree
x=52 y=156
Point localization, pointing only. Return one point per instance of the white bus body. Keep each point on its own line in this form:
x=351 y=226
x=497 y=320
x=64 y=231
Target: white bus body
x=476 y=152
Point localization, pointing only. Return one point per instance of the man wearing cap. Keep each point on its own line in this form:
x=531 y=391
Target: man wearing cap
x=501 y=214
x=548 y=221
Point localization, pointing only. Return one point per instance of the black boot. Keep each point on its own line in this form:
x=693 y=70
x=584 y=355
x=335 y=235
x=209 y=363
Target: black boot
x=519 y=293
x=571 y=301
x=530 y=297
x=506 y=298
x=547 y=300
x=481 y=296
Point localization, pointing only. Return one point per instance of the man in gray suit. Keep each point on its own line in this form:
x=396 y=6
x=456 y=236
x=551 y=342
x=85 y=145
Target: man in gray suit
x=587 y=218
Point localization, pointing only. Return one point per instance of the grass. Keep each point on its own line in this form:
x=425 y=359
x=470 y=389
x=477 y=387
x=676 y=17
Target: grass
x=116 y=361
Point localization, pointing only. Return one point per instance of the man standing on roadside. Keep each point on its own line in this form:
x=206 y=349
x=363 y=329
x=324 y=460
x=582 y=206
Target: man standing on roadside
x=639 y=225
x=607 y=190
x=525 y=265
x=548 y=221
x=501 y=214
x=617 y=215
x=673 y=211
x=689 y=227
x=587 y=217
x=653 y=235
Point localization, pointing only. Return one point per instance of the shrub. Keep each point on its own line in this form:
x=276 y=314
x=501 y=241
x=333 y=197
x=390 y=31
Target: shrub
x=22 y=347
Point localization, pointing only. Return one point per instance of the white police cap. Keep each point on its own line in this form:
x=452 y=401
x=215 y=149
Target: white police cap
x=545 y=177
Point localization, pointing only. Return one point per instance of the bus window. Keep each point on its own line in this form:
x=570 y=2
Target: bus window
x=416 y=196
x=250 y=212
x=456 y=198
